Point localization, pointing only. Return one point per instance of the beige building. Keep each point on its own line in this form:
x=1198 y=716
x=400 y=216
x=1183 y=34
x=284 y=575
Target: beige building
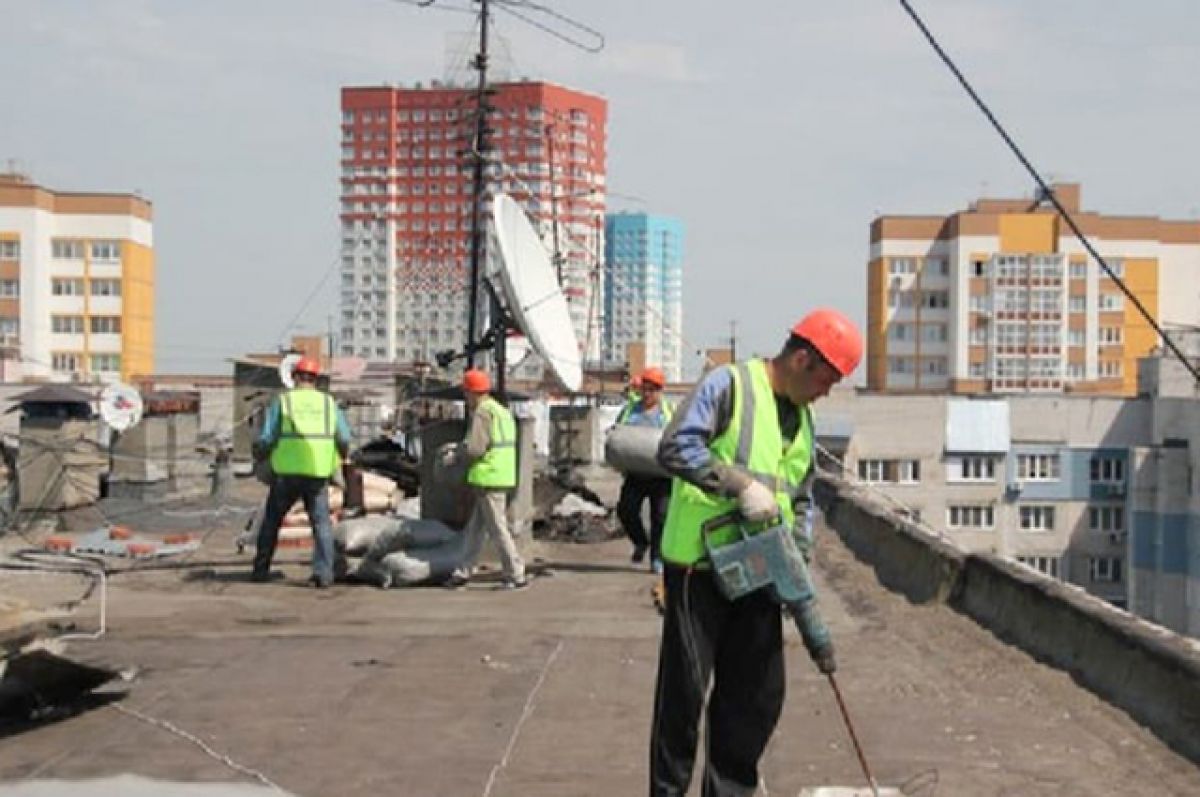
x=1002 y=297
x=76 y=283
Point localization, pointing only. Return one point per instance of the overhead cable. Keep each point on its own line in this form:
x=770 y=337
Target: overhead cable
x=1045 y=189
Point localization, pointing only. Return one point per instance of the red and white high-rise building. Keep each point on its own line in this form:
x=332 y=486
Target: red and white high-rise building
x=406 y=190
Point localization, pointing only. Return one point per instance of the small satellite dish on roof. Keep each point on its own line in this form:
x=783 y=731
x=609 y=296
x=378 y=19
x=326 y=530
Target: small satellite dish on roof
x=286 y=366
x=516 y=349
x=534 y=296
x=120 y=406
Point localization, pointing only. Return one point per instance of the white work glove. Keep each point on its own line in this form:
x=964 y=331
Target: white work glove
x=449 y=457
x=757 y=503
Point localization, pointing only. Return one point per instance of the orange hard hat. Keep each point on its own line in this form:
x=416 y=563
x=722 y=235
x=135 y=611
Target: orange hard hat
x=654 y=376
x=307 y=365
x=835 y=336
x=476 y=381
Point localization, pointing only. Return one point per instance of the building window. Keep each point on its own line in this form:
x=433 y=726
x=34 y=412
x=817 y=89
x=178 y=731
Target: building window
x=1037 y=518
x=1109 y=369
x=106 y=250
x=1106 y=518
x=1110 y=302
x=971 y=517
x=10 y=250
x=65 y=362
x=106 y=287
x=889 y=471
x=1110 y=336
x=902 y=265
x=66 y=286
x=64 y=249
x=1075 y=337
x=1078 y=270
x=1037 y=467
x=1107 y=470
x=106 y=363
x=1104 y=569
x=10 y=289
x=973 y=469
x=1047 y=565
x=66 y=324
x=1077 y=304
x=106 y=325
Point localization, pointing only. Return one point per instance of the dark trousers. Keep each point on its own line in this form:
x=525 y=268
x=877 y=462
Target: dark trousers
x=635 y=490
x=286 y=491
x=739 y=644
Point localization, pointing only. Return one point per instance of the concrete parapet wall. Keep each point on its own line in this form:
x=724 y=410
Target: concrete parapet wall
x=906 y=559
x=1150 y=672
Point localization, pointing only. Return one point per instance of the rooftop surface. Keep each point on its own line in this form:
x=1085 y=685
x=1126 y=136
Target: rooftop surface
x=548 y=691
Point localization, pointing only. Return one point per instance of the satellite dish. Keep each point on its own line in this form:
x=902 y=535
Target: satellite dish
x=120 y=406
x=286 y=366
x=534 y=297
x=516 y=349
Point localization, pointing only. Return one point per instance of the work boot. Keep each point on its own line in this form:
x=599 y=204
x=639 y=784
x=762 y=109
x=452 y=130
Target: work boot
x=260 y=576
x=316 y=582
x=455 y=581
x=639 y=553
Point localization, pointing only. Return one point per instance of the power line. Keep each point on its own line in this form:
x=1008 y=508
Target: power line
x=1045 y=189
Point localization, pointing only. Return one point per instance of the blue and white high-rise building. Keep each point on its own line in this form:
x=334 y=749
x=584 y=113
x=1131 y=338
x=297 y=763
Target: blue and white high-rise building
x=643 y=290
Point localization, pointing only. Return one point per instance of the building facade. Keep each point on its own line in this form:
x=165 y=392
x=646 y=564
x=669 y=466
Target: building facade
x=406 y=208
x=1002 y=297
x=643 y=290
x=76 y=283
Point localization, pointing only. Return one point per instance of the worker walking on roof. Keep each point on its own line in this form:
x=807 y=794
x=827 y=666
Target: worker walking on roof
x=652 y=410
x=490 y=450
x=742 y=442
x=304 y=436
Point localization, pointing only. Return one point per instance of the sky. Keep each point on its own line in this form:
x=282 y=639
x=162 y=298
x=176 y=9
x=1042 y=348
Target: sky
x=775 y=130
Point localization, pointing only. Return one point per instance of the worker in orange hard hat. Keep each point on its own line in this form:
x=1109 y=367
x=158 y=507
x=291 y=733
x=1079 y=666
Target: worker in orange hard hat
x=490 y=451
x=305 y=436
x=740 y=446
x=652 y=410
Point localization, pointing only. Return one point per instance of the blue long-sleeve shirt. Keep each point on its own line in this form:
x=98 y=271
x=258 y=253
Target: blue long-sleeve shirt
x=702 y=417
x=269 y=436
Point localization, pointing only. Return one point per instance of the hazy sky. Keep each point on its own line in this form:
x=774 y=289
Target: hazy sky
x=775 y=130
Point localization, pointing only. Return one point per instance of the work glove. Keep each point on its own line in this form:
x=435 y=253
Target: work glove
x=449 y=457
x=823 y=658
x=757 y=503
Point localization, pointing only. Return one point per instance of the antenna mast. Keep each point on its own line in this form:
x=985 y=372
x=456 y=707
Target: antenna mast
x=479 y=146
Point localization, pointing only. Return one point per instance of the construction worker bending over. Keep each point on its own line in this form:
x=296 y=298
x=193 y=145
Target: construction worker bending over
x=744 y=427
x=305 y=436
x=490 y=450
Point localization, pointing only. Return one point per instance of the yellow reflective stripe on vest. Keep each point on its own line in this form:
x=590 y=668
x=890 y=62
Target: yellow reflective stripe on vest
x=497 y=468
x=754 y=443
x=307 y=435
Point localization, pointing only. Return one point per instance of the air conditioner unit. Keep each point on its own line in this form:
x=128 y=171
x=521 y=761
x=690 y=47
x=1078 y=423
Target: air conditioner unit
x=1118 y=537
x=1014 y=488
x=1116 y=490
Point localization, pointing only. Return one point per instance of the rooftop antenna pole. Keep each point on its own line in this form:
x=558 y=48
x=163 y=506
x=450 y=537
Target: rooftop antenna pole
x=733 y=341
x=478 y=148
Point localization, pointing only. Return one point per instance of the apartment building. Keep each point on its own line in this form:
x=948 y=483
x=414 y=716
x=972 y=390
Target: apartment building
x=643 y=290
x=406 y=208
x=1002 y=297
x=76 y=283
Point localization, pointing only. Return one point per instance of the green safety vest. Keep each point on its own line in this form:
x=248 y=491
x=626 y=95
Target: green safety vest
x=754 y=443
x=631 y=405
x=307 y=435
x=497 y=468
